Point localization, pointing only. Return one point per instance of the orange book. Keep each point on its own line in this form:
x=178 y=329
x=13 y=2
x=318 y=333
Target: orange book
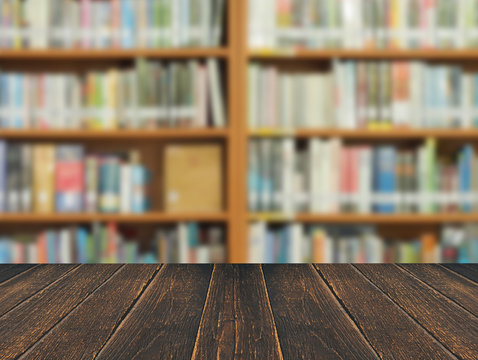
x=41 y=249
x=429 y=248
x=43 y=178
x=318 y=245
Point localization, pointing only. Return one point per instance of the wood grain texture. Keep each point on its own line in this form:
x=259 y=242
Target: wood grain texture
x=436 y=313
x=466 y=270
x=460 y=290
x=9 y=271
x=237 y=321
x=26 y=323
x=29 y=282
x=86 y=329
x=391 y=332
x=310 y=322
x=164 y=322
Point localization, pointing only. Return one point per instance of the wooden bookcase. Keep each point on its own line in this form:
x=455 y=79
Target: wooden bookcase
x=236 y=56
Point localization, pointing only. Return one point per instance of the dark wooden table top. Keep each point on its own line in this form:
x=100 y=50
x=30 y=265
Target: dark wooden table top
x=239 y=311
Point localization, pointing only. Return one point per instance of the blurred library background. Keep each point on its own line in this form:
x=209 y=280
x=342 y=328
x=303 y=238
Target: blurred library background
x=210 y=131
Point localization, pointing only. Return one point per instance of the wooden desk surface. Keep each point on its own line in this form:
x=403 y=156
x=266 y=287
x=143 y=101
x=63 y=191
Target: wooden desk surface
x=245 y=311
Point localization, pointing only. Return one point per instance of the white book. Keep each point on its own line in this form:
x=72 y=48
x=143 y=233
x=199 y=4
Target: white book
x=335 y=151
x=183 y=246
x=37 y=14
x=315 y=181
x=216 y=94
x=271 y=103
x=467 y=106
x=257 y=242
x=206 y=22
x=295 y=250
x=416 y=94
x=203 y=255
x=32 y=257
x=125 y=188
x=365 y=181
x=202 y=97
x=65 y=247
x=288 y=194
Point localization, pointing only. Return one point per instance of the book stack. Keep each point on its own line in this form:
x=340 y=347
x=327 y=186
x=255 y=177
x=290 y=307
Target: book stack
x=149 y=95
x=296 y=243
x=357 y=24
x=187 y=242
x=111 y=23
x=363 y=95
x=328 y=176
x=48 y=178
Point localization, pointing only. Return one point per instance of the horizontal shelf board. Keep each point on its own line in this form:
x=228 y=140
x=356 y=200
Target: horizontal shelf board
x=114 y=134
x=405 y=219
x=438 y=54
x=370 y=134
x=156 y=217
x=110 y=54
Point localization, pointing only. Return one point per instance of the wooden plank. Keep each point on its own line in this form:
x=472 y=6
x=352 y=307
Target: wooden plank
x=310 y=322
x=436 y=313
x=29 y=282
x=165 y=320
x=9 y=271
x=391 y=332
x=461 y=290
x=237 y=321
x=466 y=270
x=87 y=328
x=24 y=325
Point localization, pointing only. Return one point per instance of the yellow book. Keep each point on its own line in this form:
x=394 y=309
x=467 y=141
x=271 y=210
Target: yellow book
x=111 y=100
x=43 y=178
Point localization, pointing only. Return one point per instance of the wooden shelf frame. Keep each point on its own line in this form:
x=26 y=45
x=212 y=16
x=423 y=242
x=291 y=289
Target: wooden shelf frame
x=153 y=134
x=147 y=218
x=368 y=219
x=236 y=55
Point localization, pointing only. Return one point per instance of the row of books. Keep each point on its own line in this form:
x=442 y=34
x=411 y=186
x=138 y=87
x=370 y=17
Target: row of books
x=363 y=95
x=182 y=243
x=111 y=23
x=327 y=176
x=149 y=95
x=297 y=243
x=381 y=24
x=48 y=178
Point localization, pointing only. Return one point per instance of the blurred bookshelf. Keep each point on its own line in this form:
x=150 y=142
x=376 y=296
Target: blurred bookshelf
x=106 y=39
x=234 y=54
x=286 y=46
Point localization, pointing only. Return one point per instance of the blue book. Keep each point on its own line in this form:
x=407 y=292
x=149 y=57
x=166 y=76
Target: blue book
x=18 y=100
x=109 y=185
x=138 y=181
x=193 y=235
x=3 y=176
x=82 y=245
x=51 y=247
x=3 y=100
x=5 y=251
x=385 y=168
x=269 y=247
x=464 y=176
x=127 y=24
x=148 y=258
x=284 y=237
